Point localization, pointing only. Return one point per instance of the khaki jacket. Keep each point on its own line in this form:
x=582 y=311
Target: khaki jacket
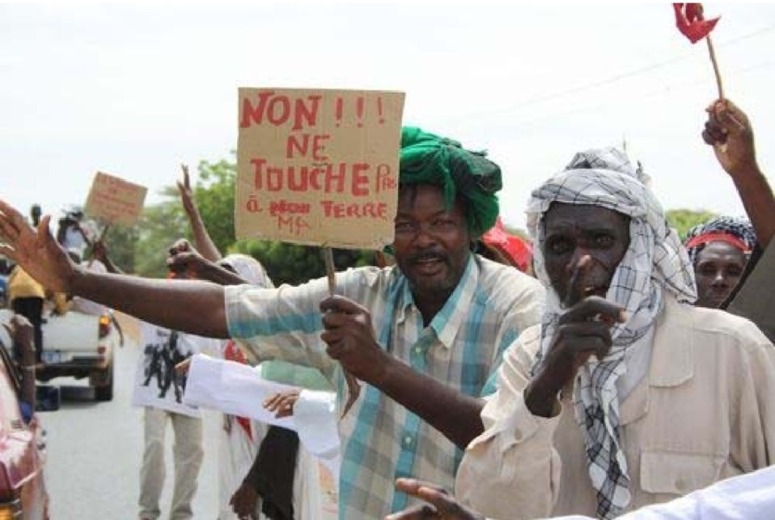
x=706 y=411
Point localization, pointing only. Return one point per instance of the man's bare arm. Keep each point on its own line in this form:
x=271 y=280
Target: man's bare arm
x=204 y=243
x=190 y=306
x=350 y=338
x=451 y=412
x=729 y=131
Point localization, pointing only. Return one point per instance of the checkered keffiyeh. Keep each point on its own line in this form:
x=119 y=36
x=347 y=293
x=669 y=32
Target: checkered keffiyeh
x=654 y=263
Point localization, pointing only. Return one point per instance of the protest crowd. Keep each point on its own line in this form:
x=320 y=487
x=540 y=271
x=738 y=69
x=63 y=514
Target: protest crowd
x=604 y=367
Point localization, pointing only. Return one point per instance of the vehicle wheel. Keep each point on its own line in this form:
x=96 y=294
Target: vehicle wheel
x=104 y=392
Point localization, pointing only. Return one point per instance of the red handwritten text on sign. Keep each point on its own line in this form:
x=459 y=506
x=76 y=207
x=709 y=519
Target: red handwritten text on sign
x=318 y=166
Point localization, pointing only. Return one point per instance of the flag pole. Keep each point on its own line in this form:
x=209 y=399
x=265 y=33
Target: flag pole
x=712 y=53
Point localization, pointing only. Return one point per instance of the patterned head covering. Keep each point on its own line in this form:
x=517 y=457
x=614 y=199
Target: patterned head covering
x=655 y=263
x=248 y=268
x=736 y=231
x=429 y=159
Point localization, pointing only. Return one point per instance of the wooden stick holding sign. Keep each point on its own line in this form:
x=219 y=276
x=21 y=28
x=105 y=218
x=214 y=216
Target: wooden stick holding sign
x=100 y=240
x=353 y=387
x=319 y=167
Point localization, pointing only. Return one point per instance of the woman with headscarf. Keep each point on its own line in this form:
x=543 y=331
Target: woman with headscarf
x=719 y=250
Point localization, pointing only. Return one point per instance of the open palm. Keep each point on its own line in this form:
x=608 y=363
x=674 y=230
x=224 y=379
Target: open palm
x=36 y=251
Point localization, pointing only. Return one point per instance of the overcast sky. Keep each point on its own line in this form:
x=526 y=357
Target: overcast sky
x=136 y=88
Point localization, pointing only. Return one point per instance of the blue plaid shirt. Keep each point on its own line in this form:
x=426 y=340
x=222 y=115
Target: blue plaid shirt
x=461 y=347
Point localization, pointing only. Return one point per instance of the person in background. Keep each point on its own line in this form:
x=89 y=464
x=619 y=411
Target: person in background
x=159 y=390
x=729 y=131
x=719 y=250
x=70 y=231
x=35 y=213
x=500 y=246
x=26 y=297
x=282 y=479
x=16 y=336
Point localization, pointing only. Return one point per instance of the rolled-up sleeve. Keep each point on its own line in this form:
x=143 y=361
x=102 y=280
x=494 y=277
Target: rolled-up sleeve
x=283 y=323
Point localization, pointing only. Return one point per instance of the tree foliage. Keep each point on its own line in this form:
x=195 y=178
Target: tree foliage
x=161 y=224
x=685 y=219
x=122 y=241
x=295 y=264
x=214 y=194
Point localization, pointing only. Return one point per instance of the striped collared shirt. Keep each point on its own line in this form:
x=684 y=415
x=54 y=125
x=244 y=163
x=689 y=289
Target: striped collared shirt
x=461 y=347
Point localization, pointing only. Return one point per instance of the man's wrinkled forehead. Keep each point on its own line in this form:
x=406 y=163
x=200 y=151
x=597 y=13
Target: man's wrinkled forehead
x=564 y=214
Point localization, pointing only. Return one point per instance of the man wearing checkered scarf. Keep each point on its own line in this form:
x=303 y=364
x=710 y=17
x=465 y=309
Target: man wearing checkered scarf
x=626 y=394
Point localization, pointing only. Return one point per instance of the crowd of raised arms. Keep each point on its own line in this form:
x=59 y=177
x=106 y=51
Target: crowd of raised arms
x=605 y=368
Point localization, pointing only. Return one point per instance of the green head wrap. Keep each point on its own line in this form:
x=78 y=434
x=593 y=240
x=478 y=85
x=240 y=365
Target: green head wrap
x=430 y=159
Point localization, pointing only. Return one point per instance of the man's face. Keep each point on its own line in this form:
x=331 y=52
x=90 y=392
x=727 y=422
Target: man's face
x=431 y=243
x=717 y=270
x=573 y=231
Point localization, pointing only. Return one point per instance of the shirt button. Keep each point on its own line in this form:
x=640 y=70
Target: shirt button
x=417 y=350
x=408 y=440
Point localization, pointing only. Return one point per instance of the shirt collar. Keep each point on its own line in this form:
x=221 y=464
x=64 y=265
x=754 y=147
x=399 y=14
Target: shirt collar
x=448 y=320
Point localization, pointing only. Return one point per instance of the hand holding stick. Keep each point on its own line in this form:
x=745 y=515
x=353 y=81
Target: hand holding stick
x=353 y=387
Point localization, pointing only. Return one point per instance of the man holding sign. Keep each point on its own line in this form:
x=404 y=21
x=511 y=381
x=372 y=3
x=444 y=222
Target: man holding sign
x=426 y=335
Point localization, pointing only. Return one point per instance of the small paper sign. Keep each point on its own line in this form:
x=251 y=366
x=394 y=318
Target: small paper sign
x=115 y=200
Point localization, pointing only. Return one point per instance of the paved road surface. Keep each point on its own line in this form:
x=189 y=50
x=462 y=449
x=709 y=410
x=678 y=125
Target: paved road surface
x=95 y=449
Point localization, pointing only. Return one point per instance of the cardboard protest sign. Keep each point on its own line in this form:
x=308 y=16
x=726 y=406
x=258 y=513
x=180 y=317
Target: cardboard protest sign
x=115 y=200
x=318 y=167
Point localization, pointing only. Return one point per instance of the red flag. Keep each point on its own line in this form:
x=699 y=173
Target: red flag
x=691 y=23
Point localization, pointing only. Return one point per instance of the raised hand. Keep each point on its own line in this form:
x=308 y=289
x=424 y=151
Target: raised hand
x=185 y=261
x=729 y=131
x=186 y=195
x=351 y=340
x=36 y=251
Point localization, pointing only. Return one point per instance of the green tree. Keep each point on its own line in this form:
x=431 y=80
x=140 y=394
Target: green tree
x=214 y=194
x=295 y=264
x=685 y=219
x=121 y=242
x=214 y=190
x=160 y=225
x=285 y=263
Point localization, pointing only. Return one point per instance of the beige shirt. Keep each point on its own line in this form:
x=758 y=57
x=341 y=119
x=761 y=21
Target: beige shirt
x=705 y=412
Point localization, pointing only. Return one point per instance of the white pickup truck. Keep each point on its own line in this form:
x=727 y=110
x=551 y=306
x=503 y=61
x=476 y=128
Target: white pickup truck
x=81 y=345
